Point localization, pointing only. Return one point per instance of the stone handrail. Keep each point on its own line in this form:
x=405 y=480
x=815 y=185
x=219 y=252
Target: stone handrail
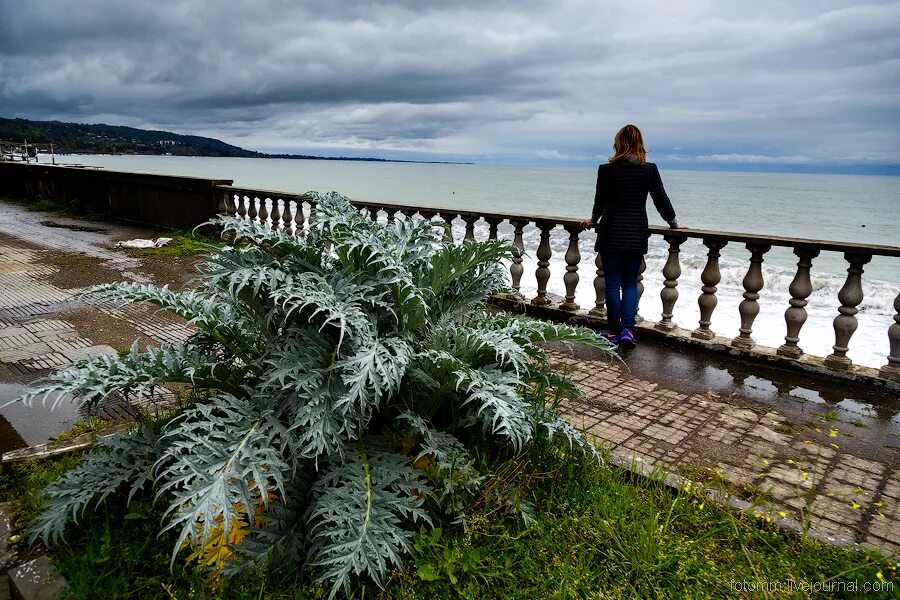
x=281 y=210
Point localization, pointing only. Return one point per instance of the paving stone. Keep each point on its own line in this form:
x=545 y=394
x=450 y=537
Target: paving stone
x=658 y=426
x=82 y=353
x=770 y=435
x=36 y=580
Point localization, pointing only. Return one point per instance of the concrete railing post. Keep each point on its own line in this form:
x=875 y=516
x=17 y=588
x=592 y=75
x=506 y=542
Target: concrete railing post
x=640 y=287
x=264 y=211
x=749 y=307
x=515 y=268
x=845 y=323
x=470 y=228
x=892 y=369
x=493 y=223
x=542 y=274
x=573 y=257
x=795 y=315
x=671 y=272
x=448 y=231
x=225 y=204
x=242 y=209
x=711 y=276
x=599 y=309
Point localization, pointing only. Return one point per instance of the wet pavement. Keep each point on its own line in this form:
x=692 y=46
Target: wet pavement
x=822 y=451
x=870 y=416
x=45 y=262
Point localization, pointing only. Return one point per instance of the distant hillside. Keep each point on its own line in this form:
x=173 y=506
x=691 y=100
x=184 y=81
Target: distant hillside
x=75 y=138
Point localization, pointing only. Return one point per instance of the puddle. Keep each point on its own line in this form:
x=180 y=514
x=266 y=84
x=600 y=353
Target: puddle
x=22 y=425
x=87 y=228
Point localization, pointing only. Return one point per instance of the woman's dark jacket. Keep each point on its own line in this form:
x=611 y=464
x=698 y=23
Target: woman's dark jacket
x=620 y=205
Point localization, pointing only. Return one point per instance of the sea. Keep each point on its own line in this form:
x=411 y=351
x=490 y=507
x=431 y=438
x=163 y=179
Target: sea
x=847 y=208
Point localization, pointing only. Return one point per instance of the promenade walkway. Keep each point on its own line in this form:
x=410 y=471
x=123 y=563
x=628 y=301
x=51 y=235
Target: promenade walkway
x=823 y=453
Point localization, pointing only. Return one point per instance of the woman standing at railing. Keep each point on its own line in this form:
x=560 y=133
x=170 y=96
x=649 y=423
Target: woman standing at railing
x=620 y=217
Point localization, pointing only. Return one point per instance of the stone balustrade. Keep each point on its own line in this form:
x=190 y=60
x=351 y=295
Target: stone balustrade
x=294 y=213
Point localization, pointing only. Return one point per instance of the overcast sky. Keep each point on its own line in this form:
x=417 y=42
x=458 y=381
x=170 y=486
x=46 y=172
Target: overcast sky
x=812 y=82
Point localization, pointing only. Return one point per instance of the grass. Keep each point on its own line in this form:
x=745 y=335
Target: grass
x=184 y=243
x=593 y=531
x=23 y=484
x=81 y=426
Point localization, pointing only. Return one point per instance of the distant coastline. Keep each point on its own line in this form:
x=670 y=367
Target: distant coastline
x=116 y=140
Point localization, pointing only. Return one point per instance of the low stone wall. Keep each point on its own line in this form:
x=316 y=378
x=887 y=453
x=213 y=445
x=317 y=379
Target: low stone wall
x=156 y=200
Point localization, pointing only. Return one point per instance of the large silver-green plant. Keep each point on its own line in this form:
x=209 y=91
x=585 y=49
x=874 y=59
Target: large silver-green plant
x=340 y=381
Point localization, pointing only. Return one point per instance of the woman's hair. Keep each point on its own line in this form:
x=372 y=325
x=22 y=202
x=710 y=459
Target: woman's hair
x=629 y=143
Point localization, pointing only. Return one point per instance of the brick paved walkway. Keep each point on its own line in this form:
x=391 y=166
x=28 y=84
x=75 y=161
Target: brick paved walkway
x=796 y=470
x=39 y=303
x=813 y=471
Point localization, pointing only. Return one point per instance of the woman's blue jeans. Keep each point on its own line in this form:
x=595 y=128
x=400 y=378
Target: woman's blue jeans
x=621 y=271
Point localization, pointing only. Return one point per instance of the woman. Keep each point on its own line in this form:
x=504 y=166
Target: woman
x=620 y=216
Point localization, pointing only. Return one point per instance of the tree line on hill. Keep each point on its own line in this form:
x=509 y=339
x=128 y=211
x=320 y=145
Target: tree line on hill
x=79 y=138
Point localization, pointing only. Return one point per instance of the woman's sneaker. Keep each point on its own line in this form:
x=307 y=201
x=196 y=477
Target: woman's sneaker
x=612 y=337
x=626 y=339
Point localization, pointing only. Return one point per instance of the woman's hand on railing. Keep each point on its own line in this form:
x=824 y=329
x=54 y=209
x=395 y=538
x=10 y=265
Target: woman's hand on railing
x=587 y=223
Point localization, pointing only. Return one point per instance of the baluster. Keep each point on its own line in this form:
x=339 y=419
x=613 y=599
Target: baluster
x=599 y=309
x=492 y=222
x=795 y=315
x=573 y=257
x=276 y=213
x=448 y=231
x=391 y=215
x=470 y=228
x=640 y=287
x=252 y=212
x=224 y=207
x=287 y=216
x=543 y=272
x=710 y=277
x=241 y=206
x=515 y=268
x=845 y=323
x=671 y=272
x=299 y=217
x=311 y=221
x=892 y=369
x=749 y=307
x=263 y=211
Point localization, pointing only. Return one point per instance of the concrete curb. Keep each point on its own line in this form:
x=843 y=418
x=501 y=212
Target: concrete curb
x=53 y=450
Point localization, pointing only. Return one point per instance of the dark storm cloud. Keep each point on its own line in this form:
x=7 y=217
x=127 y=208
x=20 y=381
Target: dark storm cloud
x=726 y=82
